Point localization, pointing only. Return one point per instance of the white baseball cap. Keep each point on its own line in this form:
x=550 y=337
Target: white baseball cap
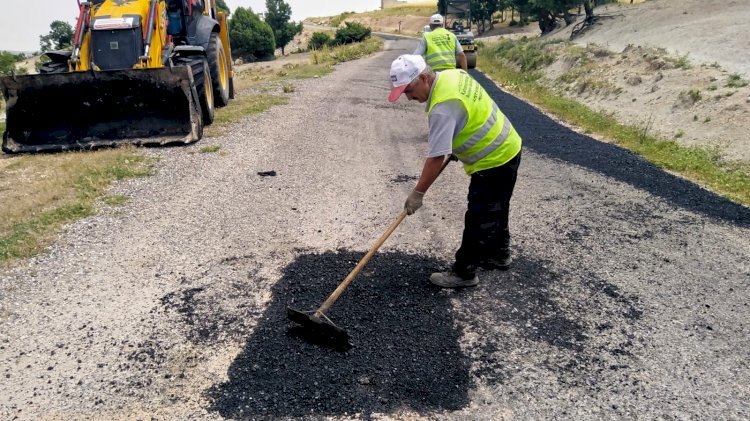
x=436 y=19
x=404 y=70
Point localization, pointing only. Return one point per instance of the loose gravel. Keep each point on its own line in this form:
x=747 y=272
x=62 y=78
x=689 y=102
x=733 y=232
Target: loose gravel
x=628 y=296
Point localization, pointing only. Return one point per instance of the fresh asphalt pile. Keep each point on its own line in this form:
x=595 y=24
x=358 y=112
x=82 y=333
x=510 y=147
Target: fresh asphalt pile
x=405 y=345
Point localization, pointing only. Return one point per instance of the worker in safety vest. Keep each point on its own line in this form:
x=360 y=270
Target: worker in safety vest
x=464 y=121
x=440 y=48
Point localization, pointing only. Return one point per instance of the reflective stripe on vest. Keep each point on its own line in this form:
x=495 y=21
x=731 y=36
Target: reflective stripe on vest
x=441 y=49
x=488 y=139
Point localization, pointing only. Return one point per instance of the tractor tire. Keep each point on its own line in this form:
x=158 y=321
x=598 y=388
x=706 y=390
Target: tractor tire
x=471 y=61
x=217 y=62
x=204 y=87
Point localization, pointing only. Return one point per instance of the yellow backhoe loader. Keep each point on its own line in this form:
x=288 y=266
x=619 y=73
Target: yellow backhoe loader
x=140 y=71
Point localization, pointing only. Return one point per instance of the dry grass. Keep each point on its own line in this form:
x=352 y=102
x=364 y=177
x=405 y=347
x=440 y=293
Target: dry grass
x=425 y=8
x=210 y=149
x=416 y=9
x=40 y=193
x=342 y=53
x=240 y=107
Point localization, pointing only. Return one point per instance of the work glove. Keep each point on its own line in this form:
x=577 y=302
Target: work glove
x=413 y=202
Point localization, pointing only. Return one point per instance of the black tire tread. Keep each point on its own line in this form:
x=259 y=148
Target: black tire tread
x=197 y=66
x=221 y=93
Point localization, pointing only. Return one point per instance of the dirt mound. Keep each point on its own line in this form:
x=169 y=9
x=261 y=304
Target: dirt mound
x=675 y=68
x=695 y=105
x=707 y=31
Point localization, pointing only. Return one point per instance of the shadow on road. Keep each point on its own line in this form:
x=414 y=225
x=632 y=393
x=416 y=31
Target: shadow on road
x=545 y=136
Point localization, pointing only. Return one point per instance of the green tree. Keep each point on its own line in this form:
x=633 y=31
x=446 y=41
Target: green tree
x=481 y=12
x=549 y=10
x=7 y=63
x=222 y=6
x=60 y=37
x=250 y=37
x=278 y=14
x=442 y=7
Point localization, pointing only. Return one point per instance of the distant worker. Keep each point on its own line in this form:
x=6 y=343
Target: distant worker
x=464 y=121
x=440 y=48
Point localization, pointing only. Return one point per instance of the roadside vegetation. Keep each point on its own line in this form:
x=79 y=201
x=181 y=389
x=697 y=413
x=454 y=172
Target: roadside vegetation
x=330 y=56
x=240 y=107
x=517 y=65
x=41 y=193
x=414 y=9
x=426 y=9
x=210 y=149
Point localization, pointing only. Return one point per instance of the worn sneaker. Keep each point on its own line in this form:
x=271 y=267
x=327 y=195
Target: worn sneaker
x=451 y=280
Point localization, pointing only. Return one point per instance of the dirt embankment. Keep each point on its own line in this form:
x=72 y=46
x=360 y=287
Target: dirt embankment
x=668 y=66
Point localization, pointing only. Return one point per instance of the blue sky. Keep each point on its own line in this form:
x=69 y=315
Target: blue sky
x=21 y=23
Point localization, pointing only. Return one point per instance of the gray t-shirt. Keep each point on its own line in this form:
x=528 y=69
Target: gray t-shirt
x=446 y=120
x=422 y=47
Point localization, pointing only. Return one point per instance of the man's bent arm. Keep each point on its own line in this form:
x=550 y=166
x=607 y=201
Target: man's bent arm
x=462 y=61
x=430 y=172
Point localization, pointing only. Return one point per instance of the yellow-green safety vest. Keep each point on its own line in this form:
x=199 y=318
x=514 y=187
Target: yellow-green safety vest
x=441 y=49
x=488 y=140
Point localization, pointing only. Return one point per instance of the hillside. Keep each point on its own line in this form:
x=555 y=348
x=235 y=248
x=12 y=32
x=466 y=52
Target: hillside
x=408 y=19
x=671 y=67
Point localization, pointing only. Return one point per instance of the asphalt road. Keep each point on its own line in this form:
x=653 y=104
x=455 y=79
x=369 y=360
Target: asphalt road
x=628 y=296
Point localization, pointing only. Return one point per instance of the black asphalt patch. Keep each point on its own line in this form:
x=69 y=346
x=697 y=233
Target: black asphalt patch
x=403 y=178
x=546 y=137
x=410 y=345
x=406 y=345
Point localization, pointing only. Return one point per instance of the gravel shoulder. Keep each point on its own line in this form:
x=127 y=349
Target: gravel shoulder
x=627 y=298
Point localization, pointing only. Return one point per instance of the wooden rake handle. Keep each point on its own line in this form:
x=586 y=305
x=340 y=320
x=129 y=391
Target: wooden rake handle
x=353 y=274
x=342 y=286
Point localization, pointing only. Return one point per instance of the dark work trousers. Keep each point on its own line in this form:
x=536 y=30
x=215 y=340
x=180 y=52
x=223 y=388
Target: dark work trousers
x=486 y=233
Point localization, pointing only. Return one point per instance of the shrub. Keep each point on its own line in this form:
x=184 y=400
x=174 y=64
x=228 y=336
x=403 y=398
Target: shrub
x=249 y=35
x=735 y=81
x=7 y=63
x=683 y=62
x=318 y=40
x=352 y=32
x=528 y=55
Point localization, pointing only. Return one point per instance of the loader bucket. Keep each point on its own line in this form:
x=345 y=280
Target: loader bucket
x=82 y=110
